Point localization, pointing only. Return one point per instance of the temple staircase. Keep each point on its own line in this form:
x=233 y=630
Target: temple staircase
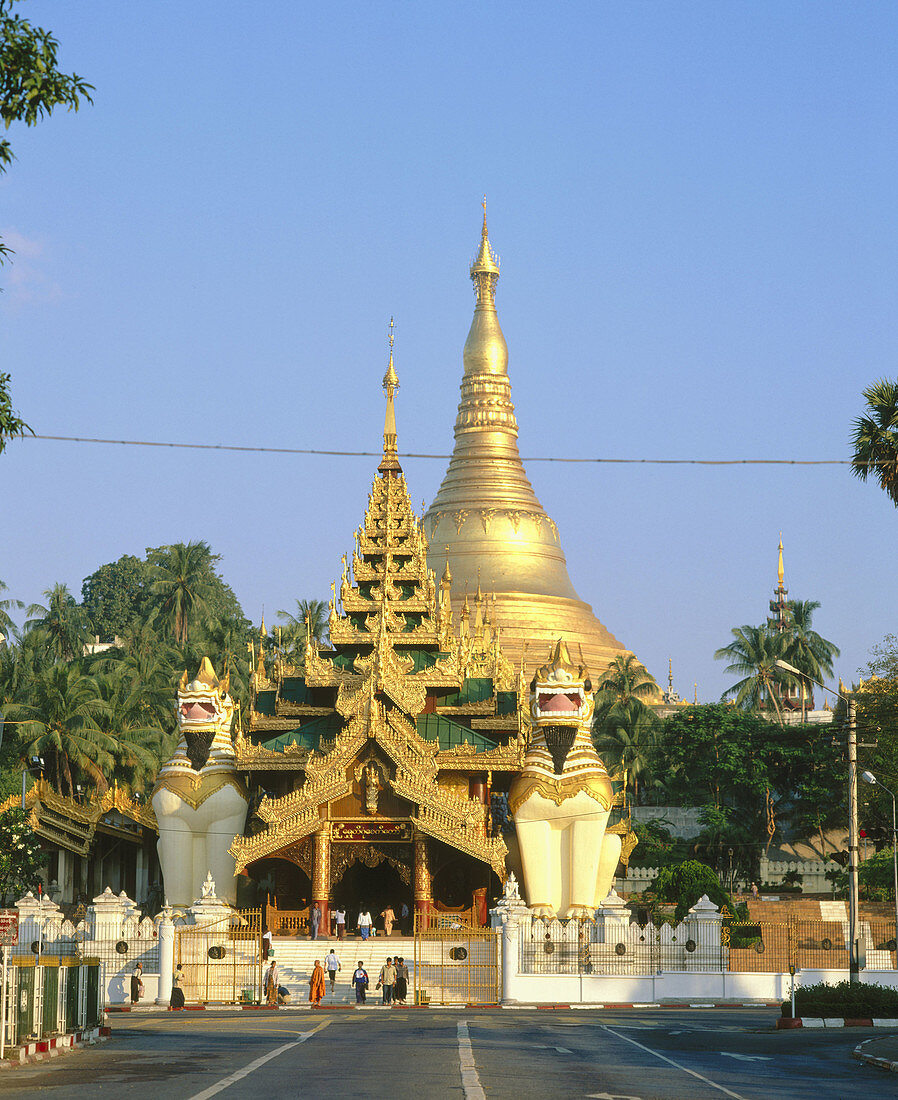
x=296 y=958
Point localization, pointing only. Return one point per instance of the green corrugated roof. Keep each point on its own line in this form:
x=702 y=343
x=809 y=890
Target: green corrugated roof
x=294 y=690
x=449 y=734
x=473 y=690
x=506 y=702
x=265 y=703
x=307 y=736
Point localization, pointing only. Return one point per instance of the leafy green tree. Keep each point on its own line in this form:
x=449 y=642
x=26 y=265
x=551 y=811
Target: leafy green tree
x=657 y=846
x=807 y=651
x=11 y=424
x=623 y=724
x=753 y=655
x=31 y=85
x=686 y=883
x=21 y=855
x=62 y=726
x=875 y=438
x=61 y=623
x=180 y=585
x=7 y=626
x=114 y=596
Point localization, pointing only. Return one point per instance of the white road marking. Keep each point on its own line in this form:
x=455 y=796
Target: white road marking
x=233 y=1078
x=470 y=1082
x=746 y=1057
x=610 y=1096
x=549 y=1046
x=671 y=1062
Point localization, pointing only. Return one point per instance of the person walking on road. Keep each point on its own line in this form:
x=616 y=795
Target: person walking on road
x=400 y=990
x=177 y=993
x=332 y=965
x=314 y=921
x=360 y=981
x=136 y=983
x=316 y=984
x=387 y=980
x=270 y=984
x=340 y=918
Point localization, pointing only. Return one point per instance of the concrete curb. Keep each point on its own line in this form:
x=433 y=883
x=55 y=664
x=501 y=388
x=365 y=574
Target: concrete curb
x=872 y=1060
x=785 y=1023
x=42 y=1050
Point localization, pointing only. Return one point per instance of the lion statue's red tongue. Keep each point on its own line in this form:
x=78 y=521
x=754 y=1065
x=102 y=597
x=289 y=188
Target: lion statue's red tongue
x=197 y=712
x=557 y=702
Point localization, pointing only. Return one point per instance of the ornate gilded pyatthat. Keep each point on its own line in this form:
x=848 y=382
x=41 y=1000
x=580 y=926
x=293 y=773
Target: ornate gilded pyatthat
x=199 y=799
x=562 y=799
x=394 y=732
x=486 y=518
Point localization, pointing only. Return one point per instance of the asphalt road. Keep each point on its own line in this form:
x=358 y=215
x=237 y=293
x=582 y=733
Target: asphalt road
x=702 y=1054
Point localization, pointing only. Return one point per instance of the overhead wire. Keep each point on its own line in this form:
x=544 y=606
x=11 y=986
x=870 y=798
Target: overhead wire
x=336 y=453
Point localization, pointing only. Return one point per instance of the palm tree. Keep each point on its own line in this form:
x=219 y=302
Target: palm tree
x=62 y=624
x=61 y=726
x=310 y=620
x=181 y=586
x=811 y=654
x=623 y=725
x=753 y=655
x=875 y=438
x=7 y=626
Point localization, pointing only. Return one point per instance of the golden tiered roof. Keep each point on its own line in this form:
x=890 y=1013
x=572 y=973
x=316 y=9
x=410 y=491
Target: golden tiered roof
x=400 y=682
x=487 y=520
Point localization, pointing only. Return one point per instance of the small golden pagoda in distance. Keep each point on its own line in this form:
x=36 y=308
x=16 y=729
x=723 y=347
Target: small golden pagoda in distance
x=372 y=765
x=486 y=519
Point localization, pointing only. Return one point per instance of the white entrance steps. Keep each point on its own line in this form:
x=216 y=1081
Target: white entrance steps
x=296 y=958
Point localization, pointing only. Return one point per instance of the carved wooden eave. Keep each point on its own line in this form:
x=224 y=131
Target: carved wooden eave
x=485 y=706
x=466 y=758
x=247 y=849
x=250 y=757
x=300 y=710
x=505 y=723
x=72 y=824
x=444 y=826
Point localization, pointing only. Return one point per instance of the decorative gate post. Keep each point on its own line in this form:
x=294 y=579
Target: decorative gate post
x=321 y=873
x=166 y=955
x=423 y=897
x=507 y=917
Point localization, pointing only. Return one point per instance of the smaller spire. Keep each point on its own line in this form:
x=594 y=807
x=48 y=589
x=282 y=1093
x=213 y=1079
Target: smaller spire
x=780 y=572
x=485 y=268
x=391 y=385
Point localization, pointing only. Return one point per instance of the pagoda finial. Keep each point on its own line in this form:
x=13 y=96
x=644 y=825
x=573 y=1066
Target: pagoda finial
x=780 y=572
x=670 y=675
x=391 y=385
x=485 y=268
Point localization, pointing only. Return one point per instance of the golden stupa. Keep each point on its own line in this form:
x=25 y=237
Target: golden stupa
x=486 y=518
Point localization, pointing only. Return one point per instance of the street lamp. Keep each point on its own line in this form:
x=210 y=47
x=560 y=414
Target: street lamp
x=853 y=966
x=869 y=777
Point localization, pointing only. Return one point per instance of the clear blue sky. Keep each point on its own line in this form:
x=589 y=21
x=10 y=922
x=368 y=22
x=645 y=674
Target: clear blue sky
x=695 y=208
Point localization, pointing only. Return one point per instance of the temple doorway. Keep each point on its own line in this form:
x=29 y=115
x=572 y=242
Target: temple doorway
x=282 y=883
x=373 y=888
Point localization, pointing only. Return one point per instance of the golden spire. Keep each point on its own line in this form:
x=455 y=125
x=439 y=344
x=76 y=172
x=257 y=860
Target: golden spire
x=780 y=572
x=391 y=385
x=486 y=509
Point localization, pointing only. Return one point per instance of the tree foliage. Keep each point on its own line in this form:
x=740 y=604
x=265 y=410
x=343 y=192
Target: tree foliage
x=21 y=855
x=875 y=438
x=624 y=725
x=11 y=424
x=31 y=84
x=687 y=882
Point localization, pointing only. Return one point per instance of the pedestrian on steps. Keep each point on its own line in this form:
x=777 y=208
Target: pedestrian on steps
x=316 y=984
x=360 y=981
x=332 y=965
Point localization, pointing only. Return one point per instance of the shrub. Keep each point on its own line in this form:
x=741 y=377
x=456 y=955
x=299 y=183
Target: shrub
x=686 y=883
x=858 y=999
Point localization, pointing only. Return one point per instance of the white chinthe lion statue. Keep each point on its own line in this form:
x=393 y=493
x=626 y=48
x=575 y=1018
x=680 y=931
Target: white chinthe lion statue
x=562 y=798
x=199 y=799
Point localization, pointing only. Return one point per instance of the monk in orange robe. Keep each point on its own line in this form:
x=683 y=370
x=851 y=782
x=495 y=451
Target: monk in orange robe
x=316 y=984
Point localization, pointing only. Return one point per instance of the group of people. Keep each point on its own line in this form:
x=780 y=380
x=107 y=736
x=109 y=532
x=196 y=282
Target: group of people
x=392 y=981
x=176 y=1000
x=365 y=924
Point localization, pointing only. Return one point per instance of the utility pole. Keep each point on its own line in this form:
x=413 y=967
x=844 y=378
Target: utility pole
x=853 y=963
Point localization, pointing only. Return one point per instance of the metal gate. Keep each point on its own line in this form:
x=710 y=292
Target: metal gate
x=456 y=964
x=222 y=961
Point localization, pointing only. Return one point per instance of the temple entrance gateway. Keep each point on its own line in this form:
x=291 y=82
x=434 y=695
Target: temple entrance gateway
x=372 y=887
